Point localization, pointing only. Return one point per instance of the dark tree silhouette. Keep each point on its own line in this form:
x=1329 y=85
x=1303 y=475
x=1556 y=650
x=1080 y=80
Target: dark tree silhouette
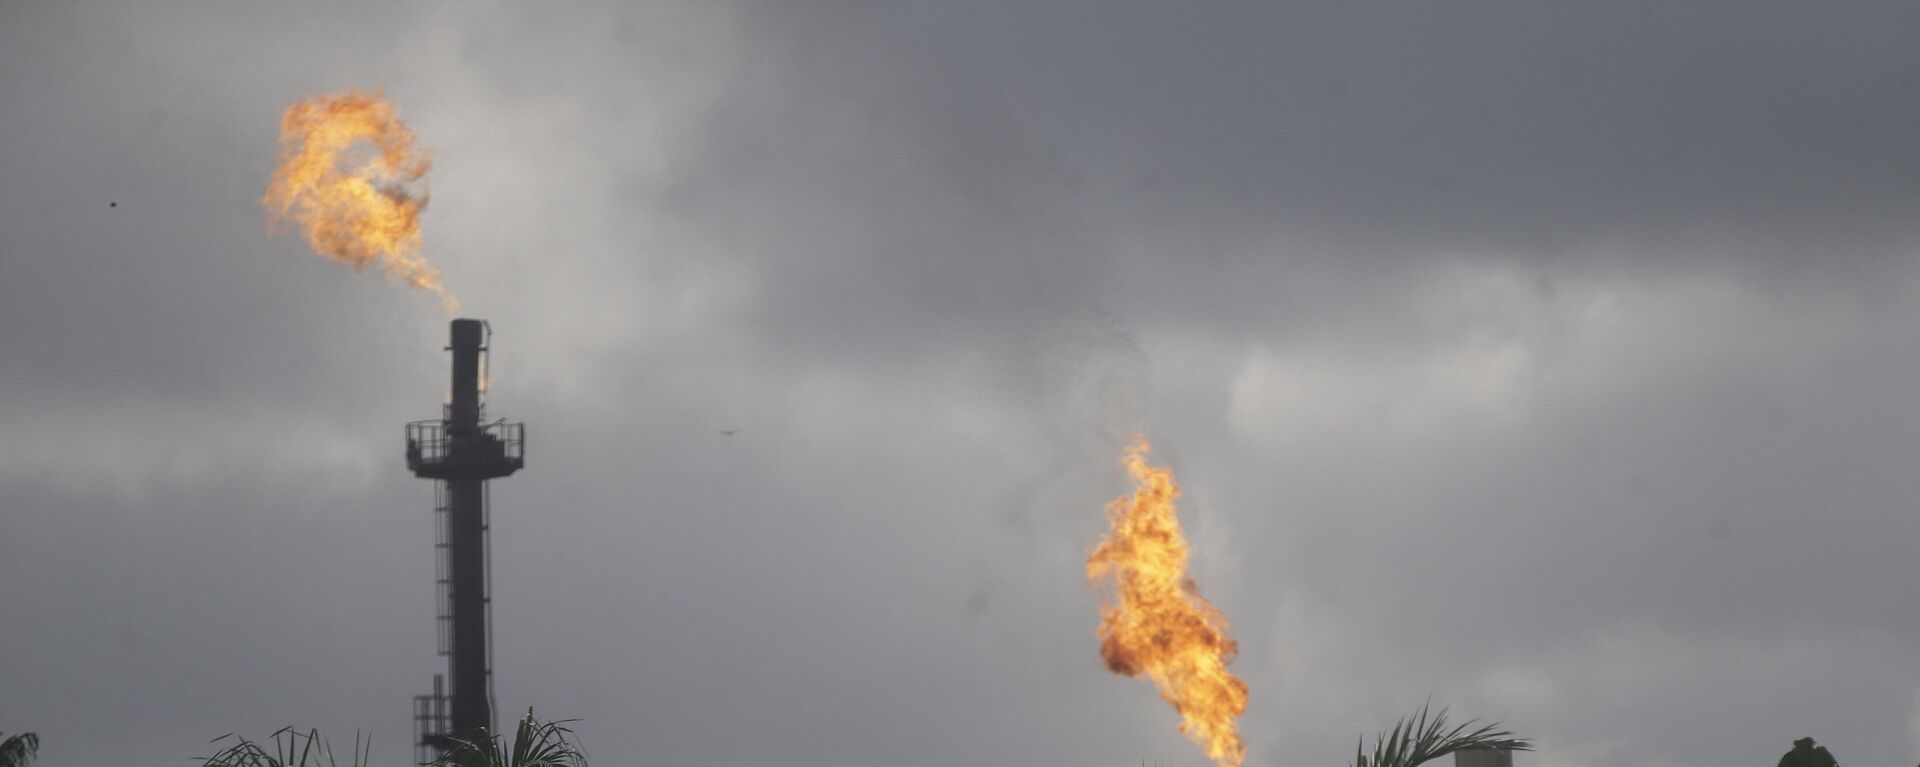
x=19 y=749
x=536 y=743
x=291 y=748
x=1806 y=754
x=1420 y=738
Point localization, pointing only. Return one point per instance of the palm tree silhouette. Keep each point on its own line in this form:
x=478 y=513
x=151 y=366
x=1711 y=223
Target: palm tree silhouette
x=537 y=743
x=1421 y=738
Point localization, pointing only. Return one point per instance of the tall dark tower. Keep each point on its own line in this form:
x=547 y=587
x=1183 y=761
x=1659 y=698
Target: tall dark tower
x=461 y=453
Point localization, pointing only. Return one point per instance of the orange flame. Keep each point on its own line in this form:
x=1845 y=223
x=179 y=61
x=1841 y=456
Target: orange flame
x=366 y=211
x=1159 y=625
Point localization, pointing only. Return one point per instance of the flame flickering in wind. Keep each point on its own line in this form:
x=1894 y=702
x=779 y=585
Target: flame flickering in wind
x=1155 y=623
x=350 y=176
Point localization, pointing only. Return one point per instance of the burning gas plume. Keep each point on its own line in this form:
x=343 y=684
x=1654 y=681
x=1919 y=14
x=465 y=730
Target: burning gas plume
x=1156 y=624
x=351 y=177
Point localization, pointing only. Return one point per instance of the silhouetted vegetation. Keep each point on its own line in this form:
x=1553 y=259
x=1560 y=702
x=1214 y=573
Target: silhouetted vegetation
x=291 y=748
x=1421 y=738
x=535 y=744
x=1806 y=754
x=16 y=751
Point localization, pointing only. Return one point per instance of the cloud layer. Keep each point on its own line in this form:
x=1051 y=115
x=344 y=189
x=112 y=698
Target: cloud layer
x=1547 y=359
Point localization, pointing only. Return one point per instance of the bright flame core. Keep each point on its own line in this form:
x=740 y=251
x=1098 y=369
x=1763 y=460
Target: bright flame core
x=351 y=177
x=1155 y=623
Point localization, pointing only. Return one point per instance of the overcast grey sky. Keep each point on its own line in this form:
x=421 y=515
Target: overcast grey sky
x=1550 y=359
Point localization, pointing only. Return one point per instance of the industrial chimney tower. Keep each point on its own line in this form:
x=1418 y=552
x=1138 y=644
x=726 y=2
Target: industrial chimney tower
x=461 y=453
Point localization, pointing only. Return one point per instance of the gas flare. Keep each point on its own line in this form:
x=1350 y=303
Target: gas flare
x=1155 y=623
x=351 y=177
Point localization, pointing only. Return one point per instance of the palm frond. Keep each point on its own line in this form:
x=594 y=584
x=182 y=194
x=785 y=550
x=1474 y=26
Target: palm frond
x=535 y=744
x=1422 y=738
x=291 y=748
x=19 y=749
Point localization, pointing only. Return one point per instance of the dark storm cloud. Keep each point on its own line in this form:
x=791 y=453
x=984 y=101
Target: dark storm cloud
x=1502 y=123
x=1548 y=359
x=1041 y=147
